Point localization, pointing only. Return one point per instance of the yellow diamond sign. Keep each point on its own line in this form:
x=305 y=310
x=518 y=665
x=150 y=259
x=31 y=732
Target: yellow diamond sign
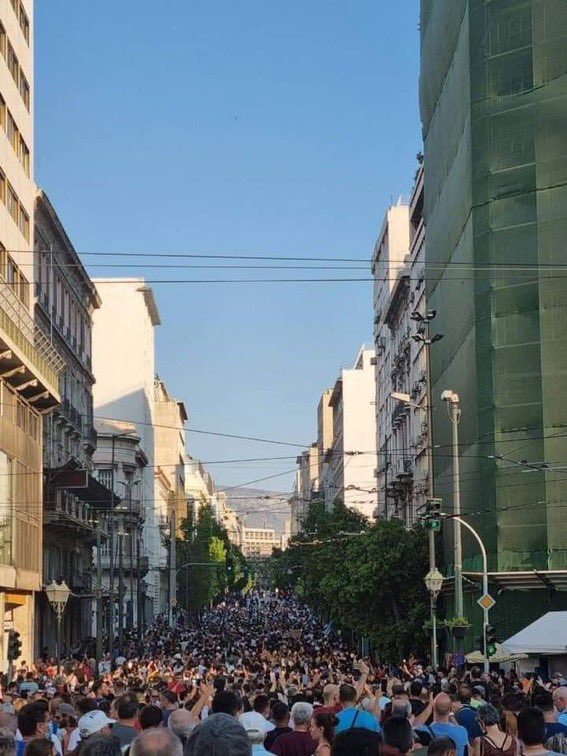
x=486 y=601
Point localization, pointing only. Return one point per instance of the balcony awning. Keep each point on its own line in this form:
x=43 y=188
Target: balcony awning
x=78 y=480
x=524 y=580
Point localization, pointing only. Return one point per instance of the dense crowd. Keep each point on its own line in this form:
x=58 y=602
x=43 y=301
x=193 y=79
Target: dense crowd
x=262 y=675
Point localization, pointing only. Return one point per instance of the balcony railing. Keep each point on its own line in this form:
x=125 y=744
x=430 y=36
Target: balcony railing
x=29 y=340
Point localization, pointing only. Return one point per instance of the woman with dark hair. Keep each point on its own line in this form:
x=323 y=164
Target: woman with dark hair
x=493 y=741
x=41 y=747
x=322 y=730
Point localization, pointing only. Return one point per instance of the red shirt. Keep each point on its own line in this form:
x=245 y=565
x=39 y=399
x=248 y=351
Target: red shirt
x=295 y=744
x=328 y=709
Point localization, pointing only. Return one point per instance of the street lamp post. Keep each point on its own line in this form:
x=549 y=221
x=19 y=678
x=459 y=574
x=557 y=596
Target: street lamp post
x=455 y=416
x=58 y=595
x=434 y=583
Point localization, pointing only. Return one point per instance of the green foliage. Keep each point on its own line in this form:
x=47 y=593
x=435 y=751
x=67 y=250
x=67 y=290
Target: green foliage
x=368 y=578
x=206 y=542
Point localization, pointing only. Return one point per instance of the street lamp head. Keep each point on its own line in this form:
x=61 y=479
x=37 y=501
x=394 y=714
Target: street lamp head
x=58 y=595
x=450 y=396
x=436 y=337
x=434 y=581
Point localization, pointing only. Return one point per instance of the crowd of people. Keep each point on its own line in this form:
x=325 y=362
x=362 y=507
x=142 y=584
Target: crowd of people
x=261 y=675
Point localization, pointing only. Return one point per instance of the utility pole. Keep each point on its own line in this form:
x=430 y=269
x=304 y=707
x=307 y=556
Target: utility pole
x=98 y=596
x=172 y=567
x=139 y=584
x=455 y=415
x=121 y=590
x=111 y=555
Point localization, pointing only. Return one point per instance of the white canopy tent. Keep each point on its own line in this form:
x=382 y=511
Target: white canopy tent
x=544 y=637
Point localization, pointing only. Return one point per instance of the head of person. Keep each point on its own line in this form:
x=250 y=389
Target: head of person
x=101 y=745
x=8 y=722
x=150 y=716
x=227 y=702
x=33 y=721
x=100 y=688
x=7 y=742
x=442 y=706
x=442 y=746
x=399 y=692
x=262 y=705
x=84 y=705
x=416 y=687
x=356 y=742
x=531 y=726
x=488 y=716
x=220 y=734
x=93 y=723
x=181 y=723
x=168 y=699
x=301 y=713
x=543 y=700
x=280 y=714
x=322 y=727
x=330 y=694
x=398 y=734
x=560 y=698
x=127 y=707
x=347 y=695
x=464 y=694
x=158 y=741
x=41 y=747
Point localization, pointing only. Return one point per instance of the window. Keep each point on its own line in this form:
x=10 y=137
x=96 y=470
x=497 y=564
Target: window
x=3 y=40
x=24 y=156
x=12 y=203
x=2 y=113
x=3 y=261
x=24 y=90
x=2 y=187
x=24 y=24
x=12 y=131
x=15 y=6
x=24 y=223
x=12 y=272
x=13 y=64
x=105 y=478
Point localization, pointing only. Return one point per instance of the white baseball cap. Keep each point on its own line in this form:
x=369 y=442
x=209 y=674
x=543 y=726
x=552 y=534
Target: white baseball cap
x=93 y=721
x=253 y=720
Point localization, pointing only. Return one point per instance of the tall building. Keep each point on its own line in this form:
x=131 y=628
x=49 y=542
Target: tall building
x=493 y=94
x=124 y=365
x=399 y=295
x=306 y=487
x=351 y=458
x=75 y=504
x=29 y=365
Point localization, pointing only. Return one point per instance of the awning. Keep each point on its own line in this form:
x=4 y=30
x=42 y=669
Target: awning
x=524 y=580
x=72 y=477
x=501 y=656
x=546 y=636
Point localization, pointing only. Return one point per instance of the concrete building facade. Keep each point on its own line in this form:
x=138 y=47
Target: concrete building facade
x=29 y=365
x=124 y=365
x=306 y=487
x=352 y=458
x=399 y=293
x=74 y=503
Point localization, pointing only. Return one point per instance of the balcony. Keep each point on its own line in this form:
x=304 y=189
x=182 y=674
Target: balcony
x=131 y=508
x=29 y=361
x=131 y=565
x=64 y=510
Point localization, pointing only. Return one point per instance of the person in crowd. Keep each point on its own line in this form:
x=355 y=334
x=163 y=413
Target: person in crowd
x=32 y=723
x=93 y=723
x=322 y=730
x=68 y=730
x=543 y=700
x=280 y=716
x=493 y=741
x=416 y=697
x=442 y=746
x=126 y=708
x=331 y=704
x=41 y=747
x=7 y=742
x=256 y=738
x=227 y=702
x=560 y=703
x=219 y=734
x=182 y=723
x=441 y=725
x=150 y=716
x=531 y=732
x=356 y=742
x=159 y=741
x=101 y=745
x=350 y=716
x=465 y=714
x=298 y=742
x=258 y=718
x=397 y=736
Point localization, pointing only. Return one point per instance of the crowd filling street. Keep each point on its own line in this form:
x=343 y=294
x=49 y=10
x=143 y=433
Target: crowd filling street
x=261 y=674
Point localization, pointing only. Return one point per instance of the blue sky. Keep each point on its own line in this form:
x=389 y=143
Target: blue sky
x=233 y=127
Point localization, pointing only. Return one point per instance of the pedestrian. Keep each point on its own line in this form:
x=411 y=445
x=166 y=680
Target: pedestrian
x=543 y=700
x=356 y=742
x=124 y=728
x=465 y=714
x=531 y=732
x=560 y=703
x=219 y=734
x=299 y=742
x=493 y=741
x=397 y=736
x=442 y=746
x=7 y=742
x=441 y=725
x=156 y=742
x=322 y=730
x=150 y=716
x=351 y=717
x=280 y=716
x=41 y=747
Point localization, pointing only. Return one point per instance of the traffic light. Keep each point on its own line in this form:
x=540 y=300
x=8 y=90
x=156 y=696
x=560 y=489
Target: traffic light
x=490 y=641
x=432 y=515
x=14 y=645
x=229 y=566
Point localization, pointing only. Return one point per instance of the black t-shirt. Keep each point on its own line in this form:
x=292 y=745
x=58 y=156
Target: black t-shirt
x=417 y=706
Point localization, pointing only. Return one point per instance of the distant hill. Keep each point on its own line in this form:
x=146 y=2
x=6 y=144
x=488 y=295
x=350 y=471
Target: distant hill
x=260 y=509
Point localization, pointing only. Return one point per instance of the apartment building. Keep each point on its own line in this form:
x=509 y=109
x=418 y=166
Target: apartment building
x=306 y=487
x=259 y=543
x=75 y=504
x=351 y=459
x=29 y=364
x=125 y=369
x=403 y=478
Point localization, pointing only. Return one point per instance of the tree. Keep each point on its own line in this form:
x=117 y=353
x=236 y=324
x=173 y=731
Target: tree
x=368 y=578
